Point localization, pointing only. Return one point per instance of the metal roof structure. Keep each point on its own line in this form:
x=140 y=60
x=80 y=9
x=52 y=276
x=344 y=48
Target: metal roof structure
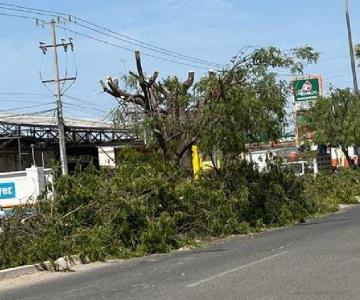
x=50 y=121
x=43 y=130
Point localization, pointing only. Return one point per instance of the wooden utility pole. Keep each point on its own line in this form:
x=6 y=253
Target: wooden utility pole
x=58 y=93
x=351 y=48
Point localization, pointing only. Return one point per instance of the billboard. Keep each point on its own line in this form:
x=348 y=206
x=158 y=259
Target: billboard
x=307 y=88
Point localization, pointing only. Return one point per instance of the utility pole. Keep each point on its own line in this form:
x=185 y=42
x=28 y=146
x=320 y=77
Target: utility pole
x=58 y=93
x=351 y=48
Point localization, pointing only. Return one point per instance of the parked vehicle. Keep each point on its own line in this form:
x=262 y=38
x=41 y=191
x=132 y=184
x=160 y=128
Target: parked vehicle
x=300 y=167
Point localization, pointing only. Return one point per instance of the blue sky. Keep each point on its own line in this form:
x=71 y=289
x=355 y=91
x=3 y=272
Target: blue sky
x=209 y=29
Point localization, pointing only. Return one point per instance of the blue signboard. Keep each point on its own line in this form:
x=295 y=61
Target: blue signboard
x=7 y=190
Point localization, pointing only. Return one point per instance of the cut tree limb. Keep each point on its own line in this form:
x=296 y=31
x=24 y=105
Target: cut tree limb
x=185 y=148
x=138 y=65
x=152 y=79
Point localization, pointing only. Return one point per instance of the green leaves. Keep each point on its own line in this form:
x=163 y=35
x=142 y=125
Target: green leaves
x=357 y=51
x=240 y=105
x=147 y=205
x=246 y=103
x=335 y=120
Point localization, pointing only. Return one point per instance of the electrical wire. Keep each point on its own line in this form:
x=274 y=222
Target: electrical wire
x=132 y=50
x=18 y=16
x=110 y=44
x=20 y=93
x=340 y=75
x=26 y=107
x=331 y=72
x=28 y=114
x=82 y=112
x=113 y=45
x=28 y=11
x=80 y=100
x=108 y=32
x=332 y=59
x=33 y=9
x=3 y=101
x=148 y=45
x=143 y=45
x=84 y=106
x=124 y=38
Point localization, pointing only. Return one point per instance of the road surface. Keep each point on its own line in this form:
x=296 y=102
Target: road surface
x=316 y=260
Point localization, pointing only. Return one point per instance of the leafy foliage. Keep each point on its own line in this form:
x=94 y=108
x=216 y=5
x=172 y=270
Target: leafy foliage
x=226 y=110
x=327 y=191
x=357 y=51
x=246 y=103
x=149 y=205
x=335 y=120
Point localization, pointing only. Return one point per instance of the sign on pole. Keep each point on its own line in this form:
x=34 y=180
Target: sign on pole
x=306 y=90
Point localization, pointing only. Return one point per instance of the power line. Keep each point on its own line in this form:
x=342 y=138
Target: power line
x=27 y=11
x=340 y=75
x=26 y=107
x=332 y=59
x=327 y=72
x=86 y=107
x=342 y=83
x=141 y=44
x=79 y=100
x=114 y=45
x=18 y=16
x=24 y=101
x=108 y=113
x=29 y=114
x=70 y=110
x=100 y=29
x=23 y=98
x=33 y=9
x=20 y=93
x=131 y=40
x=131 y=50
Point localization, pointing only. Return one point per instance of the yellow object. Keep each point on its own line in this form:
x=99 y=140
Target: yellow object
x=207 y=165
x=195 y=161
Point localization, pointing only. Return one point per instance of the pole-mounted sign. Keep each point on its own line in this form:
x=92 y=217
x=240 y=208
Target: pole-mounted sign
x=307 y=88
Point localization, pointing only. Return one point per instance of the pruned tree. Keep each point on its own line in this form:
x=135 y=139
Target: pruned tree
x=226 y=109
x=166 y=105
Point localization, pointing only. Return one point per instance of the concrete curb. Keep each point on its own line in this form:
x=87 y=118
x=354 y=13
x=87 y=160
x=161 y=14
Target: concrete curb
x=61 y=264
x=18 y=271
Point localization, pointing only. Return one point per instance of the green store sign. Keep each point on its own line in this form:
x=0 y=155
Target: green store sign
x=307 y=89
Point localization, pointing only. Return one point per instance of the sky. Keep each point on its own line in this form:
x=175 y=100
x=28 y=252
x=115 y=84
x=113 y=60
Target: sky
x=212 y=30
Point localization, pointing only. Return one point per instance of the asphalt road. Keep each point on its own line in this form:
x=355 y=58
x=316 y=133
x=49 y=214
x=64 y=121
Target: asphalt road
x=316 y=260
